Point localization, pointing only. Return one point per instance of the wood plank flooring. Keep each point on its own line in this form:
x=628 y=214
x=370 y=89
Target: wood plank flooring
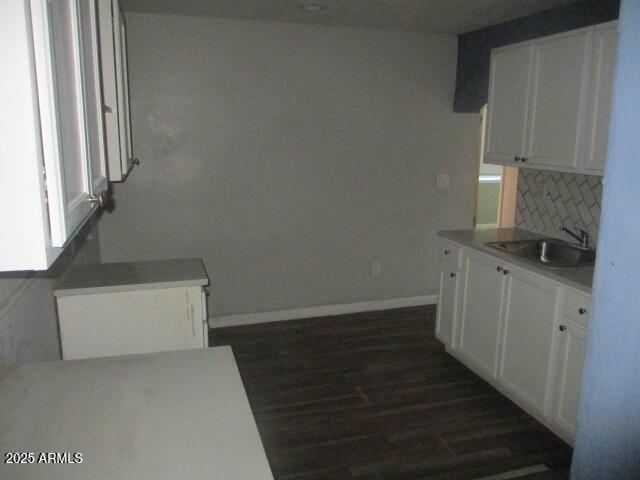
x=375 y=396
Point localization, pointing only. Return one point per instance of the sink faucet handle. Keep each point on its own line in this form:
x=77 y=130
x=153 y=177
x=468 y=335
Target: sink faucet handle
x=583 y=238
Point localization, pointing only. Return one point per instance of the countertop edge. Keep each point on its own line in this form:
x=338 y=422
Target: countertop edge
x=69 y=292
x=480 y=247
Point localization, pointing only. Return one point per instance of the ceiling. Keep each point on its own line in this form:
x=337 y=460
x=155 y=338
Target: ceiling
x=441 y=16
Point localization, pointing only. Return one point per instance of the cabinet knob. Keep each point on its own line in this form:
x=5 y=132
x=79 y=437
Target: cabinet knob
x=453 y=275
x=562 y=328
x=524 y=159
x=100 y=199
x=582 y=311
x=516 y=159
x=499 y=269
x=136 y=161
x=505 y=272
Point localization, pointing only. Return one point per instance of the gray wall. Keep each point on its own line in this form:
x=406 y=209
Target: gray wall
x=474 y=48
x=289 y=157
x=28 y=320
x=608 y=435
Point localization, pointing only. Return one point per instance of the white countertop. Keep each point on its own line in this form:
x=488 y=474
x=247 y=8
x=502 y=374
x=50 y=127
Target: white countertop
x=579 y=278
x=175 y=416
x=127 y=276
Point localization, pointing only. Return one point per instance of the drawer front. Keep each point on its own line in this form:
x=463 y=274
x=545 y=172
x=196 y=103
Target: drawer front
x=577 y=306
x=450 y=253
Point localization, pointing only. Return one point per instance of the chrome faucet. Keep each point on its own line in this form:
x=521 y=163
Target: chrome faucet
x=583 y=238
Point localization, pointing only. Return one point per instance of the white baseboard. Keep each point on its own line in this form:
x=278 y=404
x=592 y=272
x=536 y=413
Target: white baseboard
x=322 y=311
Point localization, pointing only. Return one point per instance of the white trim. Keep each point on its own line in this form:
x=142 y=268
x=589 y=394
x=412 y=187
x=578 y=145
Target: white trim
x=321 y=311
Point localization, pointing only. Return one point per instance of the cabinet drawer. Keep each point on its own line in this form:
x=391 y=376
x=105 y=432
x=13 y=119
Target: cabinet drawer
x=577 y=306
x=450 y=253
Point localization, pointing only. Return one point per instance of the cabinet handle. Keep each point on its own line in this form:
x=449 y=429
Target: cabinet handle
x=516 y=159
x=447 y=252
x=582 y=311
x=562 y=328
x=499 y=269
x=453 y=275
x=505 y=272
x=100 y=199
x=524 y=159
x=107 y=109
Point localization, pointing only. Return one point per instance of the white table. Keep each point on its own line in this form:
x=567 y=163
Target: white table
x=177 y=415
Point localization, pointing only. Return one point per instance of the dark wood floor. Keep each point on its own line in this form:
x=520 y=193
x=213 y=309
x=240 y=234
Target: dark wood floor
x=375 y=396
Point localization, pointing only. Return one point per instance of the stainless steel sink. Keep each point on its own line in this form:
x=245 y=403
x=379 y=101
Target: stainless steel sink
x=549 y=252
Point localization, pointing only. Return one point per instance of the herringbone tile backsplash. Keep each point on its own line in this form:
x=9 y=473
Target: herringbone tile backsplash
x=546 y=200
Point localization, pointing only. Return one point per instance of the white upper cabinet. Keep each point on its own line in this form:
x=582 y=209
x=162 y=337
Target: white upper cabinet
x=54 y=173
x=549 y=101
x=600 y=95
x=93 y=97
x=509 y=94
x=560 y=74
x=113 y=56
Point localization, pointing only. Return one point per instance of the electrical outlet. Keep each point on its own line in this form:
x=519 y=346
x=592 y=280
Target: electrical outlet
x=376 y=269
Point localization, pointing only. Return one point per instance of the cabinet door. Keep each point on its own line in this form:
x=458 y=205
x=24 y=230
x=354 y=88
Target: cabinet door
x=447 y=305
x=116 y=89
x=122 y=72
x=530 y=313
x=561 y=71
x=58 y=59
x=92 y=96
x=570 y=363
x=600 y=96
x=481 y=309
x=110 y=89
x=69 y=94
x=507 y=107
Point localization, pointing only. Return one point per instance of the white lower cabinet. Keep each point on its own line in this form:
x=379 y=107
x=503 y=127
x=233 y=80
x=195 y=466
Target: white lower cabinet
x=570 y=361
x=146 y=320
x=522 y=332
x=482 y=295
x=447 y=304
x=529 y=315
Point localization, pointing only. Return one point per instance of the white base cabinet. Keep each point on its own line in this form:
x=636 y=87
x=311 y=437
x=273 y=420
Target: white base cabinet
x=573 y=335
x=482 y=299
x=127 y=323
x=570 y=363
x=131 y=308
x=522 y=332
x=527 y=329
x=448 y=303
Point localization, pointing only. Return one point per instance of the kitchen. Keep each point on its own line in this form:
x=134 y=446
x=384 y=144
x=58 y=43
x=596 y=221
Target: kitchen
x=297 y=181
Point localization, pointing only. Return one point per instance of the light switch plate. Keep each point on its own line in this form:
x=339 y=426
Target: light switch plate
x=442 y=180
